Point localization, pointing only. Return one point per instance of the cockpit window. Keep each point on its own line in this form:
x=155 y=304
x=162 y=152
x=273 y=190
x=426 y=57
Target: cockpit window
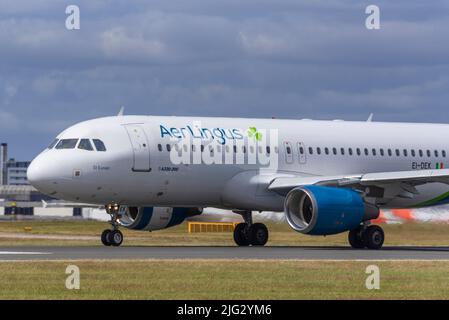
x=85 y=145
x=99 y=145
x=67 y=144
x=52 y=145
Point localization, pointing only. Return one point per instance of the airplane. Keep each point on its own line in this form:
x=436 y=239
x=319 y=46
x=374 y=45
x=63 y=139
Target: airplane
x=328 y=177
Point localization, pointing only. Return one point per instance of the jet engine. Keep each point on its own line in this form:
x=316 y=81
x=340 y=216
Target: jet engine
x=319 y=210
x=154 y=218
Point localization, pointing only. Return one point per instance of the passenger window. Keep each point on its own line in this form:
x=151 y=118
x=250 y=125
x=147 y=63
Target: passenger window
x=444 y=153
x=350 y=151
x=436 y=154
x=159 y=147
x=334 y=150
x=390 y=152
x=405 y=153
x=413 y=153
x=67 y=144
x=268 y=150
x=318 y=151
x=366 y=152
x=52 y=145
x=382 y=152
x=326 y=151
x=398 y=153
x=168 y=147
x=421 y=153
x=99 y=145
x=342 y=151
x=429 y=154
x=359 y=152
x=289 y=150
x=301 y=150
x=85 y=145
x=235 y=149
x=310 y=150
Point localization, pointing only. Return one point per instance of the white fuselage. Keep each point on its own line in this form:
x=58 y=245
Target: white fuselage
x=137 y=168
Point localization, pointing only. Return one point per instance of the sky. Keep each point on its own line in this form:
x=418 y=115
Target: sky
x=249 y=58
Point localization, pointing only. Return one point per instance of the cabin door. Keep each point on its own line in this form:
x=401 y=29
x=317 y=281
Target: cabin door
x=140 y=147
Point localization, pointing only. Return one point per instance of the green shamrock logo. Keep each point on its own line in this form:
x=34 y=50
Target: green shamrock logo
x=253 y=133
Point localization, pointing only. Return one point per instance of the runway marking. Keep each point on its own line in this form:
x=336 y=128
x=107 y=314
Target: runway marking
x=22 y=252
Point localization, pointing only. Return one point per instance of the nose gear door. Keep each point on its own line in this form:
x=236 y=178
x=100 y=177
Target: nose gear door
x=141 y=148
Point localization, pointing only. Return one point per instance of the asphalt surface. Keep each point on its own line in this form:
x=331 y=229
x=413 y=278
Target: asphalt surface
x=277 y=253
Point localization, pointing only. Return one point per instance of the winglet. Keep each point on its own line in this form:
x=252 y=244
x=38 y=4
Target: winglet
x=120 y=113
x=370 y=118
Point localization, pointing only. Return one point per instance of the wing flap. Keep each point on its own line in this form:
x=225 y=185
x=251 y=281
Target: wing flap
x=420 y=177
x=369 y=179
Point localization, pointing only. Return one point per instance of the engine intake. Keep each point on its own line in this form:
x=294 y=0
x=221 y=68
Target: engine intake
x=319 y=210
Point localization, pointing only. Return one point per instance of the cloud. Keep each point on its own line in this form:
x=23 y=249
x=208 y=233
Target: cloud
x=8 y=120
x=10 y=91
x=119 y=45
x=253 y=58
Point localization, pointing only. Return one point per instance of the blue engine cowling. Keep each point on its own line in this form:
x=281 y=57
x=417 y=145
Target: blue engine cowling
x=154 y=218
x=318 y=210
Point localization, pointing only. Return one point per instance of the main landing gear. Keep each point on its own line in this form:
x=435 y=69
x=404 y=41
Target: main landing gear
x=112 y=237
x=249 y=233
x=366 y=236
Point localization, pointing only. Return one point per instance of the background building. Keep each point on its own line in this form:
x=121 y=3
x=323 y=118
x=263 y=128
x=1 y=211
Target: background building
x=12 y=172
x=16 y=172
x=3 y=160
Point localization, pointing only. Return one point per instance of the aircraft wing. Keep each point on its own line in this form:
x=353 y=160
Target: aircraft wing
x=386 y=184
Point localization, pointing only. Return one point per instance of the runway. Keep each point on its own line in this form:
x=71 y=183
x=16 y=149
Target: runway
x=276 y=253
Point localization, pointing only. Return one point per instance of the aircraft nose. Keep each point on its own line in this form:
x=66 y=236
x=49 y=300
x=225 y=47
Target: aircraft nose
x=39 y=173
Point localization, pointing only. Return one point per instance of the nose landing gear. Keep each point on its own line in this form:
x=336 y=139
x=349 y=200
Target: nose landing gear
x=112 y=237
x=249 y=233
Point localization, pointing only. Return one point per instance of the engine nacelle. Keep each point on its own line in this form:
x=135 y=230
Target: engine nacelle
x=154 y=218
x=318 y=210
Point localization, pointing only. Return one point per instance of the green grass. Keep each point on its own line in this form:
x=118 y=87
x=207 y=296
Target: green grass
x=218 y=279
x=426 y=234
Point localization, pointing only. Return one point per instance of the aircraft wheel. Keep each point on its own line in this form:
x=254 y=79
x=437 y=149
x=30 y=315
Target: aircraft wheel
x=355 y=238
x=258 y=234
x=373 y=237
x=115 y=238
x=105 y=237
x=241 y=235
